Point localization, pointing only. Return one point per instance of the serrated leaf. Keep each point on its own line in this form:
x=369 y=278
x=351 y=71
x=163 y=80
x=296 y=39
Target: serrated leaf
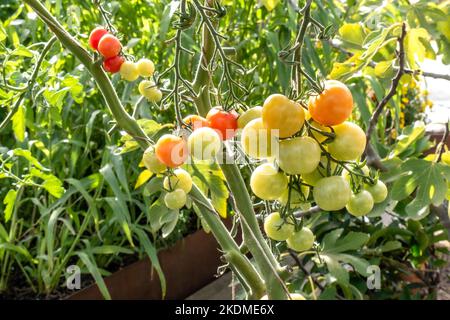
x=143 y=177
x=9 y=201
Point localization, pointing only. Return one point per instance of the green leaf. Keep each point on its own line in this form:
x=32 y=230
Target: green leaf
x=9 y=201
x=27 y=155
x=18 y=123
x=351 y=241
x=156 y=212
x=414 y=48
x=391 y=246
x=211 y=178
x=352 y=33
x=111 y=249
x=409 y=136
x=143 y=177
x=336 y=270
x=149 y=248
x=94 y=271
x=51 y=183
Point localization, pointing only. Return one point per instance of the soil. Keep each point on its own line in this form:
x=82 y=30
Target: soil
x=444 y=285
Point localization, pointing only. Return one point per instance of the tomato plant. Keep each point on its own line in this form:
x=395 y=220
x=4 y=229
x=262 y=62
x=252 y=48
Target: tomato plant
x=97 y=164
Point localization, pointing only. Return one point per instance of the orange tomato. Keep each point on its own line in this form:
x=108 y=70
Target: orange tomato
x=195 y=122
x=109 y=46
x=333 y=106
x=171 y=150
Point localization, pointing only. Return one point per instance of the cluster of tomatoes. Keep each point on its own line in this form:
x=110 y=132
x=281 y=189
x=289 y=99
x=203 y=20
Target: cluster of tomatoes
x=110 y=49
x=299 y=151
x=308 y=149
x=203 y=143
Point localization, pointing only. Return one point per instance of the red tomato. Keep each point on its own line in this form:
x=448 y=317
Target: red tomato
x=224 y=122
x=95 y=36
x=113 y=64
x=109 y=46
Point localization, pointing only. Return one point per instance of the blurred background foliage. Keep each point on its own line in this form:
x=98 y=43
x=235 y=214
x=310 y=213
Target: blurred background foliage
x=68 y=189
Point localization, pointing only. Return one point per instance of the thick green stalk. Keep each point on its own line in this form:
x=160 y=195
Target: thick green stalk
x=228 y=245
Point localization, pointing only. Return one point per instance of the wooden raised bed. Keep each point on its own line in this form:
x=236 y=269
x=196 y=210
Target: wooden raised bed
x=188 y=266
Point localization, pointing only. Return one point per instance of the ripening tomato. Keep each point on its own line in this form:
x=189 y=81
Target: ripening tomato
x=224 y=122
x=267 y=182
x=282 y=115
x=296 y=199
x=249 y=115
x=109 y=46
x=378 y=191
x=145 y=67
x=256 y=140
x=349 y=142
x=113 y=64
x=333 y=106
x=149 y=90
x=204 y=143
x=365 y=170
x=360 y=204
x=332 y=193
x=180 y=179
x=298 y=155
x=301 y=240
x=129 y=71
x=195 y=122
x=277 y=228
x=95 y=37
x=175 y=200
x=151 y=161
x=171 y=150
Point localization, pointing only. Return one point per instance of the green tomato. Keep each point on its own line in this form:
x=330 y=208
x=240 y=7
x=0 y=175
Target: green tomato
x=360 y=204
x=145 y=67
x=149 y=90
x=204 y=143
x=347 y=176
x=256 y=140
x=152 y=162
x=332 y=193
x=276 y=228
x=267 y=182
x=249 y=115
x=175 y=200
x=378 y=191
x=181 y=179
x=298 y=155
x=301 y=240
x=296 y=201
x=129 y=71
x=349 y=142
